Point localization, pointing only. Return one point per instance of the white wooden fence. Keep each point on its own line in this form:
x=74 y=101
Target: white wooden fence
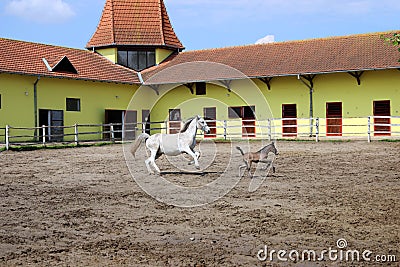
x=366 y=128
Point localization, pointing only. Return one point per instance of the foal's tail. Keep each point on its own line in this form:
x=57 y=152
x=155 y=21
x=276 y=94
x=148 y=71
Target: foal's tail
x=241 y=151
x=138 y=141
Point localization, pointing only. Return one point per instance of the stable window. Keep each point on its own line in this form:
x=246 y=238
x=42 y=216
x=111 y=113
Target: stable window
x=244 y=112
x=73 y=104
x=247 y=114
x=174 y=121
x=201 y=88
x=234 y=112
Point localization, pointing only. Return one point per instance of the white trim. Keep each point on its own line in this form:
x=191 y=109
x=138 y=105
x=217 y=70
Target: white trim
x=47 y=64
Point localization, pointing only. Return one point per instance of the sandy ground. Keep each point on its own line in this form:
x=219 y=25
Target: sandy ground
x=81 y=207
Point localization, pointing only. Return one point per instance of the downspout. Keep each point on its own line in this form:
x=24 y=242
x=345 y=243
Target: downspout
x=35 y=106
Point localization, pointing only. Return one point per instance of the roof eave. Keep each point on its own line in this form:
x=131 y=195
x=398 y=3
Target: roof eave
x=68 y=78
x=272 y=75
x=172 y=47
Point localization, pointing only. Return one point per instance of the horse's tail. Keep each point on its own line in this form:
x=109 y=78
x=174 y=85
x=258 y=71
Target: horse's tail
x=138 y=141
x=241 y=151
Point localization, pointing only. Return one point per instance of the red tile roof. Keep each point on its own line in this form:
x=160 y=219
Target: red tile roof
x=26 y=58
x=134 y=22
x=325 y=55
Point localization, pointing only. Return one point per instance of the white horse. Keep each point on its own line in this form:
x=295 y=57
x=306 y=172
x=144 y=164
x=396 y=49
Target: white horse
x=172 y=144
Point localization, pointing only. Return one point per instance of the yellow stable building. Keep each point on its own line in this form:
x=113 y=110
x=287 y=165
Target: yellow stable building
x=346 y=86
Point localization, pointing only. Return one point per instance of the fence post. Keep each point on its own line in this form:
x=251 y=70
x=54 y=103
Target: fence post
x=311 y=126
x=7 y=137
x=76 y=134
x=317 y=130
x=166 y=126
x=143 y=127
x=43 y=135
x=369 y=129
x=112 y=133
x=225 y=126
x=269 y=130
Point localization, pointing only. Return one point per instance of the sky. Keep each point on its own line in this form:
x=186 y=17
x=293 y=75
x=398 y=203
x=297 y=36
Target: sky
x=203 y=24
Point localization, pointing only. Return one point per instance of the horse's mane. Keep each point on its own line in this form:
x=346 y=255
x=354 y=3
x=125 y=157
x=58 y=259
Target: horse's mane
x=187 y=123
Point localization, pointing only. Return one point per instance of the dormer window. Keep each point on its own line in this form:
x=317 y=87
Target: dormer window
x=62 y=65
x=136 y=59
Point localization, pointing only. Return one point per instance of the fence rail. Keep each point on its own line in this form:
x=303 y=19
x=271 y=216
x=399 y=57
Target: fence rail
x=367 y=128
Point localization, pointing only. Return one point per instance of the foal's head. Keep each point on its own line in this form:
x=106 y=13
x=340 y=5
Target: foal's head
x=273 y=148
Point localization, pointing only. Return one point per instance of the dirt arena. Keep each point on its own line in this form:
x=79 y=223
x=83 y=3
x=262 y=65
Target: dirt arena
x=81 y=207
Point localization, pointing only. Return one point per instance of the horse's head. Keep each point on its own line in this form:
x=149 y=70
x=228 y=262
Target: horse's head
x=274 y=150
x=202 y=125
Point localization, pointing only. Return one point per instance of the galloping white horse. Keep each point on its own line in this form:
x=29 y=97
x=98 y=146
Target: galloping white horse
x=172 y=144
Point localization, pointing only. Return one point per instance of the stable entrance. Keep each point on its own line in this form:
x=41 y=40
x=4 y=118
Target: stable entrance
x=382 y=123
x=124 y=123
x=54 y=122
x=146 y=121
x=334 y=119
x=210 y=115
x=247 y=114
x=289 y=120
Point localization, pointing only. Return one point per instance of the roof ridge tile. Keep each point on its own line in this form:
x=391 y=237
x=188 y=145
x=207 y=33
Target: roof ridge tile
x=293 y=41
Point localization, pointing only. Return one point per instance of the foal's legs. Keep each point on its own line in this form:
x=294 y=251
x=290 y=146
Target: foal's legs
x=249 y=169
x=240 y=169
x=247 y=165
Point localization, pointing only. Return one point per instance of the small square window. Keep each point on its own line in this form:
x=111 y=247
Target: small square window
x=201 y=88
x=73 y=104
x=175 y=115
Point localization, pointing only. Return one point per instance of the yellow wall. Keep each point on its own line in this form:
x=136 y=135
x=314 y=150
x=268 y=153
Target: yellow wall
x=109 y=53
x=180 y=97
x=357 y=101
x=339 y=87
x=162 y=54
x=16 y=100
x=95 y=97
